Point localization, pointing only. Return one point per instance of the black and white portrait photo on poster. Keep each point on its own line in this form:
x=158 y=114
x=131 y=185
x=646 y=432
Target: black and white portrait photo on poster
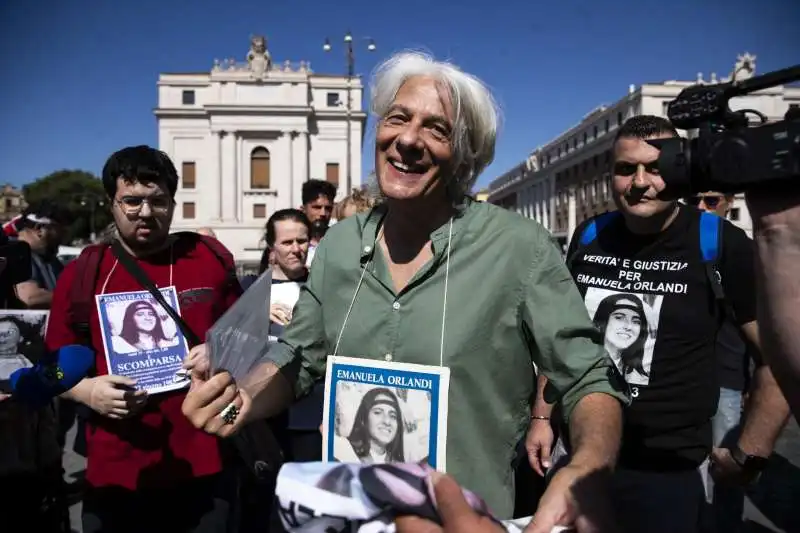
x=629 y=323
x=377 y=412
x=21 y=341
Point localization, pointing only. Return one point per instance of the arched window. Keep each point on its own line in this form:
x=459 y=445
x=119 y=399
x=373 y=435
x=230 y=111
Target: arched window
x=259 y=168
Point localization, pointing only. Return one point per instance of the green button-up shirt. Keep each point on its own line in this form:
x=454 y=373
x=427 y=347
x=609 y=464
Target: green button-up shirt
x=511 y=302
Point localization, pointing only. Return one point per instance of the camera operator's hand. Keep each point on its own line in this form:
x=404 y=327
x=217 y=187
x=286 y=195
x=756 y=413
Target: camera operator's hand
x=775 y=212
x=774 y=208
x=115 y=396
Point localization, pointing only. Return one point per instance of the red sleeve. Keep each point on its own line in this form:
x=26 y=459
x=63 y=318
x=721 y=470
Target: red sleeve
x=59 y=333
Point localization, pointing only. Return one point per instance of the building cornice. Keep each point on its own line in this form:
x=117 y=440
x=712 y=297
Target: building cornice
x=232 y=110
x=357 y=115
x=180 y=112
x=193 y=80
x=237 y=109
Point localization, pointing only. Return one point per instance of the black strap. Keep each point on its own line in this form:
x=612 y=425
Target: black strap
x=132 y=266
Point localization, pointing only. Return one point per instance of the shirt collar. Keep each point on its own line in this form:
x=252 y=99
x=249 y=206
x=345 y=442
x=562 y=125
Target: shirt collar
x=439 y=237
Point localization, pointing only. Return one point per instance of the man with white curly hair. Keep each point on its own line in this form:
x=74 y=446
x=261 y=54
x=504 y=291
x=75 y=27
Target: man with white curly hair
x=430 y=276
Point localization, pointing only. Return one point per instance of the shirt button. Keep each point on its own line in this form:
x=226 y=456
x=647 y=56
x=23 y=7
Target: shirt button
x=388 y=357
x=396 y=306
x=367 y=248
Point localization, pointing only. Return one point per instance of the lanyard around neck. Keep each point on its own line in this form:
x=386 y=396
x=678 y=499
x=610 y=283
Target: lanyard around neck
x=444 y=300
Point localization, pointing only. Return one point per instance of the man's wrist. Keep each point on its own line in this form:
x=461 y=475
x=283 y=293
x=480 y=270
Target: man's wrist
x=588 y=461
x=81 y=392
x=752 y=462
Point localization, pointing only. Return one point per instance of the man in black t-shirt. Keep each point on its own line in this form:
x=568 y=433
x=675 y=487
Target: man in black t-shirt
x=652 y=297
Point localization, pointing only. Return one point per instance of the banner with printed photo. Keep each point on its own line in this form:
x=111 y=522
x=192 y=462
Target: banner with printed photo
x=629 y=322
x=377 y=412
x=21 y=341
x=141 y=340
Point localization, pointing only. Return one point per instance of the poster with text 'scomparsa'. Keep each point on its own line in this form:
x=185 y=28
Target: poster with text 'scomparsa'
x=141 y=340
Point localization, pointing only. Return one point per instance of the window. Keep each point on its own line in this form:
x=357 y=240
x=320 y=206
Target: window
x=619 y=119
x=734 y=214
x=332 y=173
x=333 y=99
x=188 y=210
x=188 y=175
x=607 y=125
x=594 y=160
x=595 y=132
x=188 y=97
x=585 y=137
x=259 y=168
x=259 y=210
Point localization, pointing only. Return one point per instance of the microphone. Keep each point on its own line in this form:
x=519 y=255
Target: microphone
x=55 y=374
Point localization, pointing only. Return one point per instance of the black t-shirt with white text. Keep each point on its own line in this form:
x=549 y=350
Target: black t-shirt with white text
x=651 y=297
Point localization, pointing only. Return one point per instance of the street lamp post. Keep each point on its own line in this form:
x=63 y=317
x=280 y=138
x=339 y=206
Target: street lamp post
x=93 y=205
x=351 y=67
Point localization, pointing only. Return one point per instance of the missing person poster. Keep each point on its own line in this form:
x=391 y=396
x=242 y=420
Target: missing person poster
x=141 y=340
x=379 y=412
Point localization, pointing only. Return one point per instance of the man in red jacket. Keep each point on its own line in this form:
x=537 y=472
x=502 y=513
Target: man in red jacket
x=148 y=469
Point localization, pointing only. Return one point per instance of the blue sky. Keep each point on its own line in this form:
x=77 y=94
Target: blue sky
x=79 y=76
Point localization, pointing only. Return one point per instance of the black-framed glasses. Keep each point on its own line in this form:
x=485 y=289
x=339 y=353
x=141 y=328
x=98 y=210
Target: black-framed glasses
x=711 y=201
x=133 y=204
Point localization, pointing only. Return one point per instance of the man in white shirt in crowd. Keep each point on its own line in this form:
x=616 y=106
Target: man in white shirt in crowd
x=318 y=197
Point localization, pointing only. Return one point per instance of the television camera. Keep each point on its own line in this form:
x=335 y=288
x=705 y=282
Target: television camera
x=728 y=154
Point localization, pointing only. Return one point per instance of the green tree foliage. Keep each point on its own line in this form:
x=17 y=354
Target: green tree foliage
x=78 y=191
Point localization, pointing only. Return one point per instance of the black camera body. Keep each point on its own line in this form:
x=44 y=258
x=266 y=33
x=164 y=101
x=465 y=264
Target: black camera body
x=729 y=155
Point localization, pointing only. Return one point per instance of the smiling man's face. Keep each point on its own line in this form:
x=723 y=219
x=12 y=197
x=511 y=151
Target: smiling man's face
x=414 y=150
x=637 y=181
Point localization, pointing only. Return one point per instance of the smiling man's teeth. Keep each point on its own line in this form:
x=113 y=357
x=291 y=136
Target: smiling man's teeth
x=400 y=166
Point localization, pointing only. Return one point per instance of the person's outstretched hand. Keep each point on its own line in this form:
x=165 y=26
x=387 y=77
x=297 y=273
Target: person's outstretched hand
x=457 y=516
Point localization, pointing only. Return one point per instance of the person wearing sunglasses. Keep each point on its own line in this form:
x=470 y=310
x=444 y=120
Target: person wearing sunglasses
x=650 y=247
x=713 y=202
x=734 y=355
